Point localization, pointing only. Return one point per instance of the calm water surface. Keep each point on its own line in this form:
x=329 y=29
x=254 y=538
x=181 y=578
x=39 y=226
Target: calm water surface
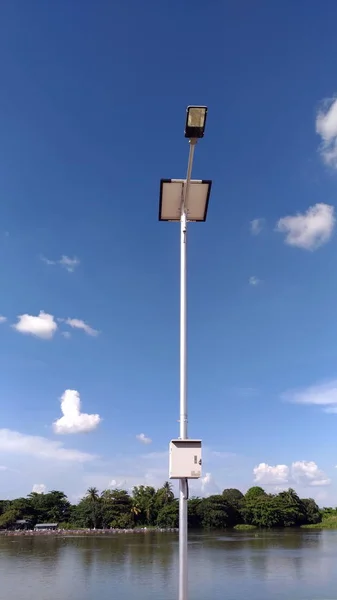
x=232 y=566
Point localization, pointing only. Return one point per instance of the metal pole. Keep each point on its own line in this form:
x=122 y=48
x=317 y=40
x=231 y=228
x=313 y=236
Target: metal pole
x=183 y=488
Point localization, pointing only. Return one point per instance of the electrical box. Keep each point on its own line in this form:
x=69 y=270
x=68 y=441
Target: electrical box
x=185 y=459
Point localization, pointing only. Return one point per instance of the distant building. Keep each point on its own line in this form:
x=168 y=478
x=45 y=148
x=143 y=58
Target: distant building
x=49 y=526
x=22 y=524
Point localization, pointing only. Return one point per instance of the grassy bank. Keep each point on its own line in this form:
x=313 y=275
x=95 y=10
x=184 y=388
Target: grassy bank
x=244 y=527
x=327 y=523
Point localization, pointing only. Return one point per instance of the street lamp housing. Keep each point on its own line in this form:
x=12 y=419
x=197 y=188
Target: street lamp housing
x=171 y=197
x=195 y=122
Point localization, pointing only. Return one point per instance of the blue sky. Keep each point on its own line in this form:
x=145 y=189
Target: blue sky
x=92 y=115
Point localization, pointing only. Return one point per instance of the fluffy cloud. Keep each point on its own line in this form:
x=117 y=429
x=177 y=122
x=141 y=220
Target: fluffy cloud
x=13 y=442
x=79 y=324
x=305 y=473
x=141 y=437
x=308 y=473
x=268 y=475
x=208 y=485
x=39 y=488
x=66 y=262
x=324 y=395
x=253 y=280
x=310 y=229
x=73 y=421
x=326 y=127
x=118 y=484
x=256 y=226
x=3 y=319
x=42 y=326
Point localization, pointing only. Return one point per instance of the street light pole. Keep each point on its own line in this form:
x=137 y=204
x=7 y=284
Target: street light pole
x=183 y=486
x=183 y=200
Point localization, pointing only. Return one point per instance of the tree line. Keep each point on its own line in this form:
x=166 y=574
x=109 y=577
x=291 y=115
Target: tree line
x=150 y=507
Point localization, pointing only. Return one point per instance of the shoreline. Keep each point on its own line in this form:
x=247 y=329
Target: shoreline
x=83 y=532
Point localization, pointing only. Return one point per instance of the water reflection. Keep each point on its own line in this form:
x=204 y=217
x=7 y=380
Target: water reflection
x=151 y=552
x=266 y=565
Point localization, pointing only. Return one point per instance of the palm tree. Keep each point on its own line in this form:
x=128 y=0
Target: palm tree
x=135 y=511
x=167 y=492
x=93 y=498
x=92 y=494
x=143 y=498
x=164 y=495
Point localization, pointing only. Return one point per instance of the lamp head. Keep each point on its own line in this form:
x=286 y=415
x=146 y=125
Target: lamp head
x=195 y=122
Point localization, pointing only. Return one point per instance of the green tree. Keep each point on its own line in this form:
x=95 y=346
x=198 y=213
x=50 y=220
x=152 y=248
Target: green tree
x=3 y=506
x=233 y=496
x=144 y=498
x=116 y=509
x=147 y=506
x=328 y=512
x=194 y=514
x=168 y=515
x=312 y=513
x=92 y=501
x=164 y=495
x=234 y=499
x=92 y=494
x=292 y=508
x=254 y=492
x=51 y=507
x=262 y=511
x=8 y=518
x=214 y=512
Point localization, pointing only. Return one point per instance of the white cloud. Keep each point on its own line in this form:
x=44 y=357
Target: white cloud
x=79 y=324
x=47 y=261
x=141 y=437
x=208 y=485
x=3 y=319
x=305 y=473
x=120 y=484
x=310 y=229
x=324 y=395
x=308 y=473
x=256 y=226
x=13 y=442
x=42 y=326
x=326 y=127
x=73 y=421
x=3 y=468
x=66 y=262
x=39 y=488
x=268 y=475
x=254 y=280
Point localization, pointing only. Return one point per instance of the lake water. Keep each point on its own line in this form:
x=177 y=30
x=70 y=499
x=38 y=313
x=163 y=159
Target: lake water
x=292 y=565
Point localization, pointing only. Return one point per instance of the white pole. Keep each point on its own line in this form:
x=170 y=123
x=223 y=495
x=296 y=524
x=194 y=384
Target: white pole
x=183 y=568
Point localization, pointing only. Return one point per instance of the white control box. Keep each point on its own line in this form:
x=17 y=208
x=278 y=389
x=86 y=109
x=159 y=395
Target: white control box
x=185 y=459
